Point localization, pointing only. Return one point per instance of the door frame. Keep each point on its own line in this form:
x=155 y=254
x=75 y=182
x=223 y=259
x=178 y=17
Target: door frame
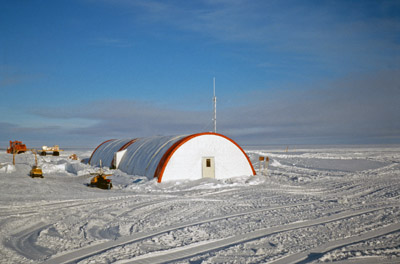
x=208 y=167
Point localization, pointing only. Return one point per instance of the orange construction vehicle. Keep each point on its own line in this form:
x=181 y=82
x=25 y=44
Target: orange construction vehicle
x=16 y=147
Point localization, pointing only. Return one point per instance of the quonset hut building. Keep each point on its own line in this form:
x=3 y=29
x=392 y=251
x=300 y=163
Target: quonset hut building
x=202 y=155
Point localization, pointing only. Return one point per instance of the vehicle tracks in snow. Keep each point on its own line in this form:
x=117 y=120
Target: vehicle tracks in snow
x=48 y=207
x=185 y=252
x=315 y=253
x=18 y=211
x=100 y=248
x=24 y=243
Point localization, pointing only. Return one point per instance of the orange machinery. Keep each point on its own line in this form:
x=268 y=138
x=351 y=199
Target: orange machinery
x=16 y=147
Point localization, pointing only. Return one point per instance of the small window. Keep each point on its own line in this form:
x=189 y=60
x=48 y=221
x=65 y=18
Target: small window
x=208 y=163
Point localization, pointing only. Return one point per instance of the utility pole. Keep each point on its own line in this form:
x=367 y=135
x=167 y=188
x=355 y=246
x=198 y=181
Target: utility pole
x=215 y=108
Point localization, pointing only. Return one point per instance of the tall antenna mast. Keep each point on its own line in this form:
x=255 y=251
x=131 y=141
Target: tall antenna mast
x=215 y=108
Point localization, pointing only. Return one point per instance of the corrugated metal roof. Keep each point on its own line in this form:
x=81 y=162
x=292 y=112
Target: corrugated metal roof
x=144 y=155
x=105 y=152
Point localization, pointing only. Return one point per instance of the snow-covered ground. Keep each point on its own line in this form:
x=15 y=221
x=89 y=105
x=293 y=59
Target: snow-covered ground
x=310 y=205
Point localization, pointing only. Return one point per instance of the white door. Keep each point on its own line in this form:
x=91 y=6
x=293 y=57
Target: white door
x=208 y=167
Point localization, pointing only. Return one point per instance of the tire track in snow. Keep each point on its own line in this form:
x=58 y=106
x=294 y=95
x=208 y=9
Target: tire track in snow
x=184 y=252
x=24 y=243
x=43 y=208
x=19 y=211
x=86 y=252
x=316 y=253
x=368 y=260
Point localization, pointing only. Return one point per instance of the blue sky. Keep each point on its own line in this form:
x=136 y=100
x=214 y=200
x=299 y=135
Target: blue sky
x=78 y=72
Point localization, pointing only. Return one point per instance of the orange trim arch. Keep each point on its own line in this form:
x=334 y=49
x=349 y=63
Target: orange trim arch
x=126 y=145
x=170 y=152
x=97 y=148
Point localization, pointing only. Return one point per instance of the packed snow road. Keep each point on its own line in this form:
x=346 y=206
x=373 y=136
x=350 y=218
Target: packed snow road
x=307 y=206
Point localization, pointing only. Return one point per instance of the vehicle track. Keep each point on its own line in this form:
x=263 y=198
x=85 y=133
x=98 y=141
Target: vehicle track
x=201 y=248
x=24 y=243
x=27 y=239
x=313 y=254
x=99 y=248
x=20 y=241
x=47 y=207
x=43 y=208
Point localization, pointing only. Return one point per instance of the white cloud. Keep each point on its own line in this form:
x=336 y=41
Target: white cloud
x=362 y=109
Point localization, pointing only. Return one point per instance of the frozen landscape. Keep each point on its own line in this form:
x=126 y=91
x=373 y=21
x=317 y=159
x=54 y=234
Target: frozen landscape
x=312 y=204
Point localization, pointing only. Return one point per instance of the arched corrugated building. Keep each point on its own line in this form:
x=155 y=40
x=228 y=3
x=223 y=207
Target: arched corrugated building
x=182 y=157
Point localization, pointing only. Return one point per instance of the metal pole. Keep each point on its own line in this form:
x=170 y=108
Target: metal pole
x=215 y=109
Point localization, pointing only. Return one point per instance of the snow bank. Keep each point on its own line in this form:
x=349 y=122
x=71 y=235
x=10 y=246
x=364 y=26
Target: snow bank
x=78 y=168
x=7 y=168
x=53 y=168
x=138 y=183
